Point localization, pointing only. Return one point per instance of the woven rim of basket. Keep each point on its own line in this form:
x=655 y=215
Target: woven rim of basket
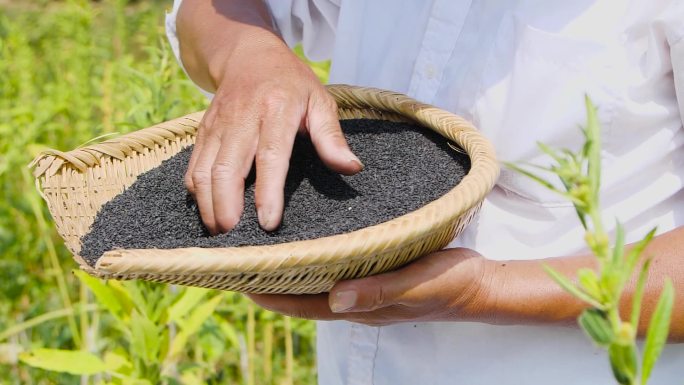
x=353 y=102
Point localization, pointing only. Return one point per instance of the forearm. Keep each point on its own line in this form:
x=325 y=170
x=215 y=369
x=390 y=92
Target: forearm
x=524 y=293
x=211 y=31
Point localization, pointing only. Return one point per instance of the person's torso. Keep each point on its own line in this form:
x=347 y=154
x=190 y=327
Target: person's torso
x=519 y=71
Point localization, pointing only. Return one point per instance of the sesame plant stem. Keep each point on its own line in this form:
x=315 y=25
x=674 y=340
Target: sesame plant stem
x=580 y=174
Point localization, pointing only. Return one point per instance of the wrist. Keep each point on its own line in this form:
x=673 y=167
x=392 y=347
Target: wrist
x=481 y=303
x=210 y=33
x=521 y=292
x=243 y=51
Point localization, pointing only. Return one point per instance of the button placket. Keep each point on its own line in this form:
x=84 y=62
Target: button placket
x=439 y=41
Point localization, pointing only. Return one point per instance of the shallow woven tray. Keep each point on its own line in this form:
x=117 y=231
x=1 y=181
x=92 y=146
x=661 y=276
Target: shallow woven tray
x=76 y=184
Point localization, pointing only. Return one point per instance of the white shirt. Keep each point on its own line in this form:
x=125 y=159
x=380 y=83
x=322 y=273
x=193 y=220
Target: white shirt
x=518 y=70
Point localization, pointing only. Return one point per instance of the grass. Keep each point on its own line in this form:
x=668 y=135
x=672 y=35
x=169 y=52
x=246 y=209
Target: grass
x=71 y=71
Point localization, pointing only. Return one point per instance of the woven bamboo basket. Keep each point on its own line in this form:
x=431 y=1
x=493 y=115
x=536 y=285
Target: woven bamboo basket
x=76 y=184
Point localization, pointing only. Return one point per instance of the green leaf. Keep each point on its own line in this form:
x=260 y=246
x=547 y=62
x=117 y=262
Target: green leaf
x=595 y=324
x=116 y=362
x=136 y=295
x=633 y=255
x=33 y=322
x=76 y=362
x=134 y=381
x=200 y=314
x=550 y=152
x=612 y=282
x=619 y=247
x=229 y=332
x=571 y=288
x=123 y=295
x=104 y=295
x=532 y=176
x=192 y=324
x=639 y=295
x=590 y=282
x=623 y=361
x=593 y=136
x=190 y=298
x=146 y=338
x=658 y=330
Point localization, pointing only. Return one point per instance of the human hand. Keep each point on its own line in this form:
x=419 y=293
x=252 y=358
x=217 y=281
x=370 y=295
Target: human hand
x=447 y=285
x=264 y=96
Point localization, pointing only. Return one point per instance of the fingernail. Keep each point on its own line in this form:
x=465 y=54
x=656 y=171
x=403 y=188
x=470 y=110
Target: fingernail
x=263 y=218
x=343 y=301
x=357 y=161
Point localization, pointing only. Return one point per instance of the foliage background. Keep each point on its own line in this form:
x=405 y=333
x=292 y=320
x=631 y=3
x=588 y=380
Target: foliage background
x=71 y=71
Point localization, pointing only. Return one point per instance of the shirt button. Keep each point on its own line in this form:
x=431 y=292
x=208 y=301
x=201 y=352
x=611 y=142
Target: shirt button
x=430 y=71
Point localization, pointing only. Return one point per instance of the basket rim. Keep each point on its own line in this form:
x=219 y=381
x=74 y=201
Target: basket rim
x=362 y=243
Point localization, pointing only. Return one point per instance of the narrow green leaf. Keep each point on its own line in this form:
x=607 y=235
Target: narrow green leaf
x=550 y=152
x=76 y=362
x=146 y=338
x=192 y=324
x=593 y=134
x=551 y=187
x=589 y=282
x=105 y=295
x=633 y=255
x=571 y=288
x=612 y=282
x=116 y=362
x=639 y=295
x=595 y=324
x=178 y=345
x=658 y=329
x=532 y=176
x=582 y=217
x=229 y=332
x=190 y=298
x=134 y=381
x=200 y=314
x=33 y=322
x=138 y=299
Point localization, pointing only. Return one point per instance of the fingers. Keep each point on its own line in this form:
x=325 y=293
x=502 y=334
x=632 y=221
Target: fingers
x=226 y=146
x=368 y=294
x=306 y=306
x=315 y=307
x=427 y=282
x=220 y=162
x=229 y=170
x=277 y=134
x=326 y=135
x=198 y=176
x=197 y=149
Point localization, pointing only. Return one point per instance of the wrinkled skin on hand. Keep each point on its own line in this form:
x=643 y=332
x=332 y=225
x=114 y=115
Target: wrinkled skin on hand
x=265 y=96
x=448 y=285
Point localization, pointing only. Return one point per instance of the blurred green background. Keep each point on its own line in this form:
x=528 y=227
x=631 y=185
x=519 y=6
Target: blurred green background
x=72 y=71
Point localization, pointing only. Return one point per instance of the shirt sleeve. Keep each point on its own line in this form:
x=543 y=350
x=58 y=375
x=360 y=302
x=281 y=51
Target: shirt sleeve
x=674 y=31
x=172 y=36
x=309 y=22
x=677 y=52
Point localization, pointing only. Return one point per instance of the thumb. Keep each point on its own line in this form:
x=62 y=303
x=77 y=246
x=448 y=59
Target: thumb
x=367 y=294
x=326 y=135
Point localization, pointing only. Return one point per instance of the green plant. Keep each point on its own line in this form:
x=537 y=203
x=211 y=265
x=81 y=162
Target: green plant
x=580 y=175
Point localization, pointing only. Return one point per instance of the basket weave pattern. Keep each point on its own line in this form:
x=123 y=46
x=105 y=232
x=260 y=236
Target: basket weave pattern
x=76 y=184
